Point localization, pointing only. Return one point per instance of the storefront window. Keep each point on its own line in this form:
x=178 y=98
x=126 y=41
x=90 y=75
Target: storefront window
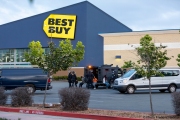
x=15 y=55
x=20 y=55
x=7 y=55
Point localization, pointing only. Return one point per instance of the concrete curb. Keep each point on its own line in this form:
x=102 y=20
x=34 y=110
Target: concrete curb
x=63 y=114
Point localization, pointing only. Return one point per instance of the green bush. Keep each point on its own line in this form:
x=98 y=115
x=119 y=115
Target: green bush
x=55 y=77
x=21 y=97
x=176 y=102
x=3 y=96
x=60 y=77
x=79 y=78
x=74 y=98
x=64 y=78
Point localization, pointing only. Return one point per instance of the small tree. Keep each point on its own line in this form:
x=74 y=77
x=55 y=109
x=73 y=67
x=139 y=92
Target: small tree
x=178 y=60
x=58 y=58
x=151 y=59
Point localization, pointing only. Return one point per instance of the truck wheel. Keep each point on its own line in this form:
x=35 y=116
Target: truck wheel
x=30 y=88
x=130 y=90
x=172 y=88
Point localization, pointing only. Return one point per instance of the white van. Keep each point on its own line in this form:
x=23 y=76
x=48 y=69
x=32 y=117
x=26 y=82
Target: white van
x=132 y=81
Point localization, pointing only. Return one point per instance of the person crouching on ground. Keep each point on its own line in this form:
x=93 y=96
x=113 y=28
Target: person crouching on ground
x=83 y=81
x=106 y=81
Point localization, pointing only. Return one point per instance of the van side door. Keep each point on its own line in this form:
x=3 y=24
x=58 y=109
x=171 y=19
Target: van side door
x=156 y=82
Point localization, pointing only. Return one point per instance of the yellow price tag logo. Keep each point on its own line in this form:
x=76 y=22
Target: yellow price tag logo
x=60 y=26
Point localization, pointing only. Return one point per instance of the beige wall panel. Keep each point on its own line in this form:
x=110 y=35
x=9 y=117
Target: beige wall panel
x=121 y=40
x=169 y=36
x=109 y=57
x=172 y=61
x=126 y=55
x=134 y=39
x=79 y=72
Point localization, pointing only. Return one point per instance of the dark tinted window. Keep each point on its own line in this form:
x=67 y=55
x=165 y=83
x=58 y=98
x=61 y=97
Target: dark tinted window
x=136 y=76
x=170 y=72
x=19 y=72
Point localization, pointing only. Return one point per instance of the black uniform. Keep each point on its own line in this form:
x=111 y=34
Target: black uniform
x=89 y=77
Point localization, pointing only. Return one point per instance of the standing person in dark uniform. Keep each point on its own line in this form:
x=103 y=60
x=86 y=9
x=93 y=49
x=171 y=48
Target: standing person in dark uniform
x=69 y=79
x=73 y=79
x=89 y=77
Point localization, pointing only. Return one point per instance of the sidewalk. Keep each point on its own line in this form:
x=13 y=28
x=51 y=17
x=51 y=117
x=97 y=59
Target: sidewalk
x=22 y=116
x=26 y=114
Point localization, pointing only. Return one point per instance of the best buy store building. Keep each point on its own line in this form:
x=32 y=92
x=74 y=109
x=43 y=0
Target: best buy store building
x=79 y=22
x=120 y=47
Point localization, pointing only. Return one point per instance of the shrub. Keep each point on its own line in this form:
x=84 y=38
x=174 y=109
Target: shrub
x=21 y=97
x=3 y=96
x=176 y=102
x=55 y=77
x=79 y=78
x=74 y=98
x=64 y=78
x=60 y=77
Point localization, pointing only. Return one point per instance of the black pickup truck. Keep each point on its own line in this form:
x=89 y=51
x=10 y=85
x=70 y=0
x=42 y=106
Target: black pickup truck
x=33 y=78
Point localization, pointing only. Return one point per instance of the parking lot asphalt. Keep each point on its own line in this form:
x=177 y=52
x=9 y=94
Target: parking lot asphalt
x=110 y=99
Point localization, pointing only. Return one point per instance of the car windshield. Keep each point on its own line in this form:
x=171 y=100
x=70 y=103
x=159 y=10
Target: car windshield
x=128 y=73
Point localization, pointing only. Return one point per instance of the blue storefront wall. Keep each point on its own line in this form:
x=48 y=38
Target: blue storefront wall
x=99 y=22
x=90 y=22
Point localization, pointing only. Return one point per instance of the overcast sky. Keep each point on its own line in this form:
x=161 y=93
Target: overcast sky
x=139 y=15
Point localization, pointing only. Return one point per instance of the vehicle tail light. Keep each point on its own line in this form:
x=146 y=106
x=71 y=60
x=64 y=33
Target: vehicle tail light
x=50 y=79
